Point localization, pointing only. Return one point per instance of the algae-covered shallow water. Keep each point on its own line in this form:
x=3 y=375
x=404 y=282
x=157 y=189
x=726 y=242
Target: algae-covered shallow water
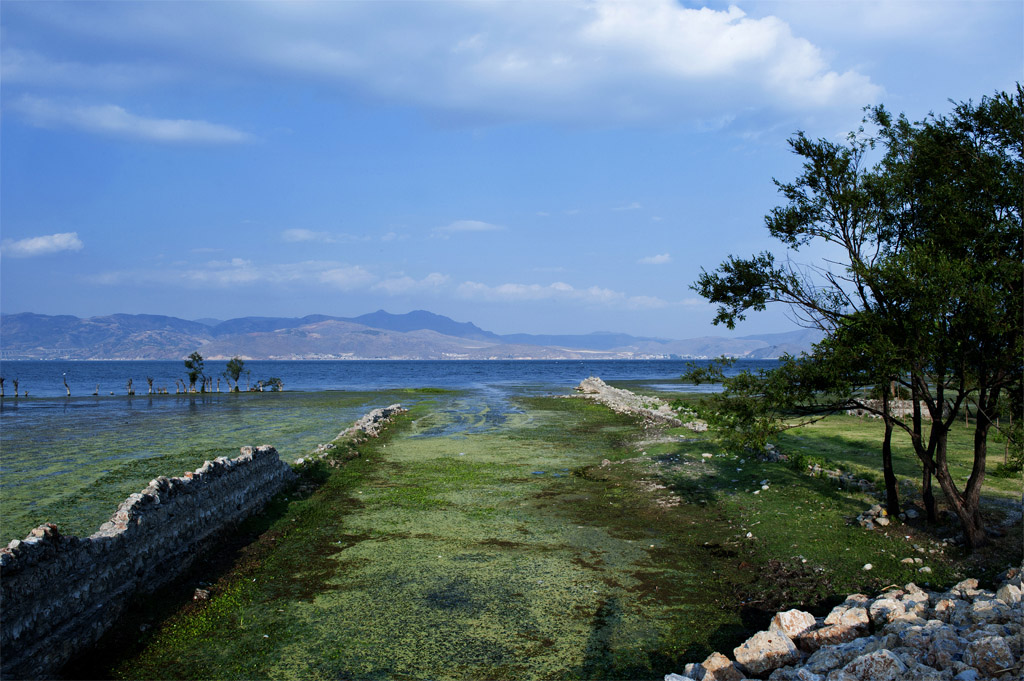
x=72 y=461
x=477 y=541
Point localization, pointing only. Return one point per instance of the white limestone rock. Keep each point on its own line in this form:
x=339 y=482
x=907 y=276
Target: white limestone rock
x=766 y=651
x=881 y=665
x=793 y=623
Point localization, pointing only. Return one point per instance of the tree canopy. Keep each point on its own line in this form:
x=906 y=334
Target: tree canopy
x=920 y=288
x=194 y=368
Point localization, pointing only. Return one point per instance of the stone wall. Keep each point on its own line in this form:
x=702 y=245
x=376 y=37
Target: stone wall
x=901 y=409
x=60 y=594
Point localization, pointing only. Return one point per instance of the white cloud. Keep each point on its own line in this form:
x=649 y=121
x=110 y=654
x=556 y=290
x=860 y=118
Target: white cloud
x=242 y=272
x=42 y=245
x=347 y=278
x=557 y=291
x=629 y=206
x=399 y=285
x=297 y=235
x=468 y=226
x=661 y=259
x=32 y=68
x=591 y=62
x=109 y=119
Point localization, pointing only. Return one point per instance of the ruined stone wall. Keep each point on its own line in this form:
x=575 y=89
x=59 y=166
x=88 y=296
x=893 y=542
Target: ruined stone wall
x=901 y=409
x=60 y=594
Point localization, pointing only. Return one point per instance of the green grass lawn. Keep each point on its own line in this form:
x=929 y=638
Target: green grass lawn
x=854 y=443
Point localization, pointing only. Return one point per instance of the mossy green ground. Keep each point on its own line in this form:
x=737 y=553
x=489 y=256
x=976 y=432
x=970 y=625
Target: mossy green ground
x=552 y=542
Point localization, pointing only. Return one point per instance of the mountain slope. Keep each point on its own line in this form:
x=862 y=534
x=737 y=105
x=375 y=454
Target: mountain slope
x=379 y=335
x=421 y=320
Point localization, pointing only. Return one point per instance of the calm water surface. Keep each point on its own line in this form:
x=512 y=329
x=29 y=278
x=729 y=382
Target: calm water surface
x=72 y=460
x=46 y=378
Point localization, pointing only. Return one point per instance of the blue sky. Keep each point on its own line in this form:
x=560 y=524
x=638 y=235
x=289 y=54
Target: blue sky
x=545 y=167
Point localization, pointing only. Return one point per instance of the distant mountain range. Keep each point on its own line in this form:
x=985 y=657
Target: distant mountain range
x=378 y=335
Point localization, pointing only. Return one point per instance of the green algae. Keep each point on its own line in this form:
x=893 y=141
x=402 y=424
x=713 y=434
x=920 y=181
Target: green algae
x=486 y=554
x=71 y=462
x=523 y=544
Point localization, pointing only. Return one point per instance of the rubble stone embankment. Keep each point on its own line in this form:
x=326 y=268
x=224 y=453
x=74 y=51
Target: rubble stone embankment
x=652 y=409
x=905 y=634
x=61 y=594
x=371 y=424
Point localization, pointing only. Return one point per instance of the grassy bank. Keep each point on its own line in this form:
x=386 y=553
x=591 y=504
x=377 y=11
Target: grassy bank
x=556 y=540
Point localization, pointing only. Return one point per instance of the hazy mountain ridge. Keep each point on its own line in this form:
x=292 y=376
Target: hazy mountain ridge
x=379 y=335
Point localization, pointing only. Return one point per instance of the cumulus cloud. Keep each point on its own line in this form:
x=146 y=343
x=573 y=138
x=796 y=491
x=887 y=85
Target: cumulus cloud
x=557 y=291
x=42 y=245
x=109 y=119
x=661 y=259
x=347 y=278
x=405 y=284
x=596 y=62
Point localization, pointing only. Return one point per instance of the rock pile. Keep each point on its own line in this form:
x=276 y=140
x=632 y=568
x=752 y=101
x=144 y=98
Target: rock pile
x=876 y=515
x=905 y=634
x=652 y=409
x=374 y=422
x=369 y=425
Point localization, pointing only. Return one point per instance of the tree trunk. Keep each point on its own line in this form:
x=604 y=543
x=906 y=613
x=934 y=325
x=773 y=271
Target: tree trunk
x=927 y=497
x=966 y=505
x=892 y=495
x=923 y=453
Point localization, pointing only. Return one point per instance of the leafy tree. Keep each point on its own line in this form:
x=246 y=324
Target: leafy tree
x=234 y=370
x=921 y=288
x=194 y=368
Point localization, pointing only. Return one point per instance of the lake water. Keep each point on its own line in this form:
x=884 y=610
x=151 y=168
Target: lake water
x=72 y=460
x=46 y=378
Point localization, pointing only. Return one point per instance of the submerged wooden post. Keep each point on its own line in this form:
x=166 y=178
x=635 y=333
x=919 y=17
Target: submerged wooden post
x=66 y=385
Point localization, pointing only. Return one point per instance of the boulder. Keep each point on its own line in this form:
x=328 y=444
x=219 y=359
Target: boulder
x=990 y=655
x=766 y=651
x=830 y=635
x=885 y=610
x=718 y=667
x=793 y=623
x=1009 y=594
x=881 y=665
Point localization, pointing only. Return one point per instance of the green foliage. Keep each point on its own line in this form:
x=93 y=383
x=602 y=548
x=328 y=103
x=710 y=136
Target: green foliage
x=194 y=369
x=273 y=384
x=234 y=369
x=926 y=290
